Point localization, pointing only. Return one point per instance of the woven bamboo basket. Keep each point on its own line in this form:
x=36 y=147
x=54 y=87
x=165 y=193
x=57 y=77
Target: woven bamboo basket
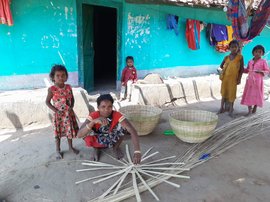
x=144 y=118
x=193 y=126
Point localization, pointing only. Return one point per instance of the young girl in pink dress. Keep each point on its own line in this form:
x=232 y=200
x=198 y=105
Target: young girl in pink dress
x=64 y=120
x=253 y=95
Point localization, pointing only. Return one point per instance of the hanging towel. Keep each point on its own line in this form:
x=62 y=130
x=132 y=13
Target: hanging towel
x=223 y=46
x=5 y=13
x=193 y=34
x=172 y=23
x=219 y=32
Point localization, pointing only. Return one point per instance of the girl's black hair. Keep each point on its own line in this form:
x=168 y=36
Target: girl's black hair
x=258 y=47
x=129 y=58
x=234 y=42
x=57 y=68
x=104 y=97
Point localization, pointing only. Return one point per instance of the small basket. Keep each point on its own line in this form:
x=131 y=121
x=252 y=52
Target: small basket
x=193 y=126
x=144 y=118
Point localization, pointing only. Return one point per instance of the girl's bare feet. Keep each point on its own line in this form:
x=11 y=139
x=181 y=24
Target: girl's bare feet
x=94 y=155
x=231 y=115
x=254 y=109
x=59 y=155
x=118 y=153
x=248 y=114
x=222 y=110
x=75 y=151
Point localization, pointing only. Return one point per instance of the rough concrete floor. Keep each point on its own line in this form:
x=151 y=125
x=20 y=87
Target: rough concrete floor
x=29 y=171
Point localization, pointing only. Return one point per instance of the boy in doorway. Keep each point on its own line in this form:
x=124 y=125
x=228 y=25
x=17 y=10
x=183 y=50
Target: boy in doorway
x=129 y=76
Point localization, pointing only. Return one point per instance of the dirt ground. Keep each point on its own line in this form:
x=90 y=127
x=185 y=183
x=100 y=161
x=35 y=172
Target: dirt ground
x=29 y=171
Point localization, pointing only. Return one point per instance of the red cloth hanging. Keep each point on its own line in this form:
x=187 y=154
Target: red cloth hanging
x=5 y=13
x=193 y=34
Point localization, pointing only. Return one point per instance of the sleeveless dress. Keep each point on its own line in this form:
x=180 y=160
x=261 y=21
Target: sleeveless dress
x=229 y=81
x=64 y=121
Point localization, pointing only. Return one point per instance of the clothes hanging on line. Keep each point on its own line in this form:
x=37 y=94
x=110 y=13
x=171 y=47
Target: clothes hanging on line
x=219 y=32
x=239 y=17
x=172 y=23
x=193 y=34
x=223 y=46
x=5 y=13
x=216 y=33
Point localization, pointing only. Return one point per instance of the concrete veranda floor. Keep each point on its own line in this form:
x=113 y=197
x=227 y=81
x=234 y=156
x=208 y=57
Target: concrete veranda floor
x=29 y=171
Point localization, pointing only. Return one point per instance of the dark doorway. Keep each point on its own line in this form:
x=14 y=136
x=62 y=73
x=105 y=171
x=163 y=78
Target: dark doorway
x=104 y=47
x=100 y=45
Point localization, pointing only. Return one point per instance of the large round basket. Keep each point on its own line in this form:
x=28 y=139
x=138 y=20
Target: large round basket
x=193 y=126
x=144 y=118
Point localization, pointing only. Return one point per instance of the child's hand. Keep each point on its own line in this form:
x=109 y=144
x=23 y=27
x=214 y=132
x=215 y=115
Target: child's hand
x=259 y=72
x=123 y=83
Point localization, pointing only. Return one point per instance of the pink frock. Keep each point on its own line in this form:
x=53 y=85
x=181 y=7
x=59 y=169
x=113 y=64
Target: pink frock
x=253 y=92
x=64 y=121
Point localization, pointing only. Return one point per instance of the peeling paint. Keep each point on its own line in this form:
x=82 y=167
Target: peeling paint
x=66 y=12
x=138 y=29
x=50 y=41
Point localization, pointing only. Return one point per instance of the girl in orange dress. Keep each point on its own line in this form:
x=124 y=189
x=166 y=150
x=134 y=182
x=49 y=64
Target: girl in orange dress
x=232 y=69
x=64 y=120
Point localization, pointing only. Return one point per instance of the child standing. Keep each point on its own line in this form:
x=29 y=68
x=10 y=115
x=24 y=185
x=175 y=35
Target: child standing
x=129 y=76
x=253 y=92
x=64 y=120
x=232 y=68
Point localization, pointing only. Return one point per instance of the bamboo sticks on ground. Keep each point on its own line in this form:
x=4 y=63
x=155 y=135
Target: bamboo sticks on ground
x=223 y=138
x=151 y=169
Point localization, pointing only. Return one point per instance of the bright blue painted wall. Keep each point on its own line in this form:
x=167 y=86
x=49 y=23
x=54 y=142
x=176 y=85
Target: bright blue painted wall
x=153 y=46
x=44 y=33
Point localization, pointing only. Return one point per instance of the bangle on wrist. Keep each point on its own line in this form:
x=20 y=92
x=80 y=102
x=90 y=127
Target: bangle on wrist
x=137 y=152
x=88 y=127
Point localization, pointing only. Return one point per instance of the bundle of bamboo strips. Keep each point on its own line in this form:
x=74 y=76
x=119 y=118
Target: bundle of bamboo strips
x=224 y=137
x=150 y=169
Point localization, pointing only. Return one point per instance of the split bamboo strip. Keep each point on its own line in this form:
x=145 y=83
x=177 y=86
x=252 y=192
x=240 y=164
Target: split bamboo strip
x=164 y=180
x=147 y=152
x=128 y=155
x=146 y=185
x=91 y=178
x=168 y=174
x=106 y=178
x=163 y=159
x=125 y=161
x=95 y=162
x=105 y=168
x=98 y=165
x=160 y=164
x=163 y=168
x=123 y=178
x=151 y=155
x=135 y=186
x=114 y=158
x=119 y=180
